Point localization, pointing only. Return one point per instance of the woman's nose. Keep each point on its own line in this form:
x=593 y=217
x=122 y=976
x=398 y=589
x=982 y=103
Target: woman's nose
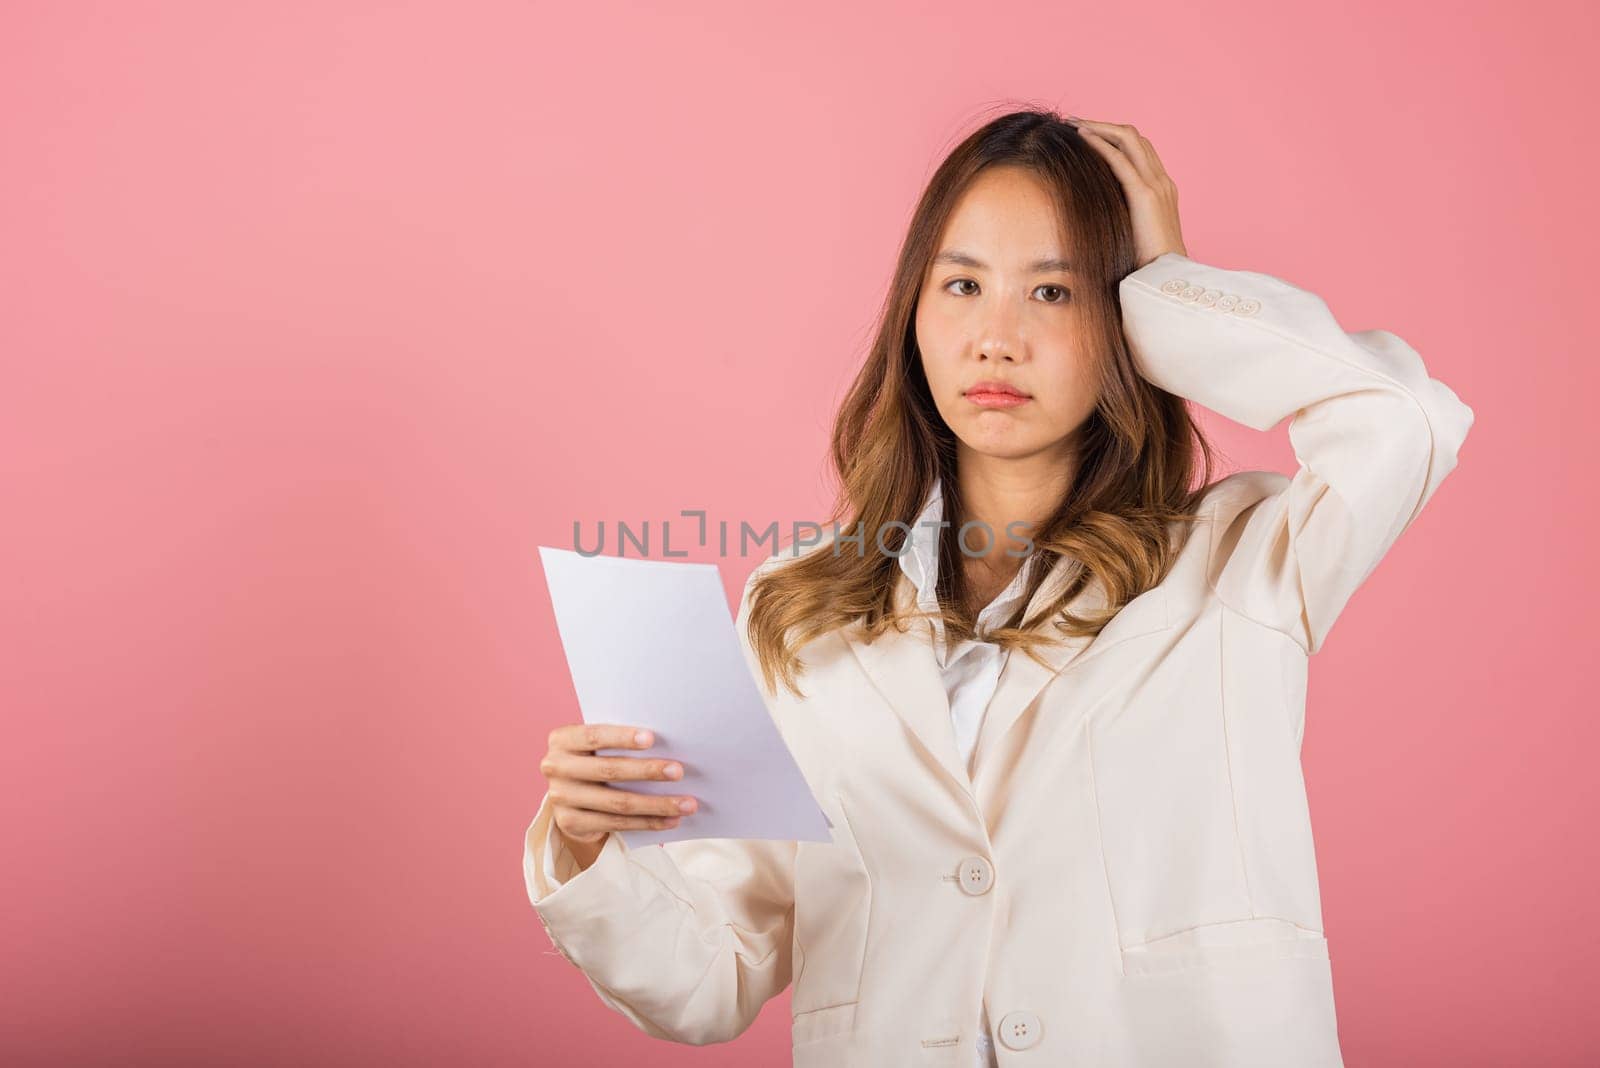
x=999 y=351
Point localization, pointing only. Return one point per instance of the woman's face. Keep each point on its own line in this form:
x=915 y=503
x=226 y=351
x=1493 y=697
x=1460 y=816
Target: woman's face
x=997 y=306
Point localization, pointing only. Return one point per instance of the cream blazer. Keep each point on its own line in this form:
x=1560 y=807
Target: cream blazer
x=1127 y=878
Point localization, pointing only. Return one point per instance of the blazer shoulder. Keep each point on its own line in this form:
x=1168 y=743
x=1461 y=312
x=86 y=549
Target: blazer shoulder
x=1224 y=499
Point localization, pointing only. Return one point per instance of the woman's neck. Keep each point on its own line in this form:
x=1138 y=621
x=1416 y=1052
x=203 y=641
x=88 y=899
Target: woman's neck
x=1010 y=500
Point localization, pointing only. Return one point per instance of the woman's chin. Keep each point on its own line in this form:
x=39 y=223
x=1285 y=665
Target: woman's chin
x=1001 y=446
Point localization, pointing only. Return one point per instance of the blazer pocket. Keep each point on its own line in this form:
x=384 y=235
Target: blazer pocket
x=832 y=922
x=1220 y=945
x=823 y=1032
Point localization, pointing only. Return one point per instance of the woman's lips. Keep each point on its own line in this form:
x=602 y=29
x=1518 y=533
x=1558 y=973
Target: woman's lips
x=995 y=399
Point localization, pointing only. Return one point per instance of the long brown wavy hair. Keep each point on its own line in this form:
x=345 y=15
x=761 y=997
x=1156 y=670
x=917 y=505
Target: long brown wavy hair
x=1137 y=462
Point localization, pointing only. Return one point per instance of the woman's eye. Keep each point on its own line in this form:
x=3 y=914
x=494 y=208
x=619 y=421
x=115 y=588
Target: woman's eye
x=1061 y=293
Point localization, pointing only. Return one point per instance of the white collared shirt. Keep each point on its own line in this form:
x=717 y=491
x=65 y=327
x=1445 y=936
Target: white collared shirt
x=970 y=671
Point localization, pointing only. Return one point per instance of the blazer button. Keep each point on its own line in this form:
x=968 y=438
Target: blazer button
x=1020 y=1030
x=976 y=876
x=1226 y=302
x=1209 y=297
x=1174 y=285
x=1247 y=307
x=1190 y=294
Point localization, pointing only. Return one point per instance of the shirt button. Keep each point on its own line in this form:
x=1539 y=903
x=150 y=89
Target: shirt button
x=1020 y=1030
x=976 y=875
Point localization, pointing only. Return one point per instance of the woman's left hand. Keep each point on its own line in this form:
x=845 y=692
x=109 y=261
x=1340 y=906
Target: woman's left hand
x=1152 y=196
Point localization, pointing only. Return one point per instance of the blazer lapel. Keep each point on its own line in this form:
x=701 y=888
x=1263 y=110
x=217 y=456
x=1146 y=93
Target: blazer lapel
x=1024 y=677
x=905 y=671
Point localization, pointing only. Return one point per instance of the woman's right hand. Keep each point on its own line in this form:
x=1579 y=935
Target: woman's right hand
x=585 y=808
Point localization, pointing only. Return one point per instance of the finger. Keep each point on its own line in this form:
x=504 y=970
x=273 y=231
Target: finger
x=597 y=798
x=604 y=769
x=1121 y=165
x=1153 y=158
x=587 y=737
x=1127 y=142
x=1134 y=145
x=1141 y=151
x=583 y=824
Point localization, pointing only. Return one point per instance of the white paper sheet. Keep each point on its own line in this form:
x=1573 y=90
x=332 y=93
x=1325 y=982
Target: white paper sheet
x=651 y=643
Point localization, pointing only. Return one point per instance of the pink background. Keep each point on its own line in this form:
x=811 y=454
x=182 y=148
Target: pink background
x=319 y=318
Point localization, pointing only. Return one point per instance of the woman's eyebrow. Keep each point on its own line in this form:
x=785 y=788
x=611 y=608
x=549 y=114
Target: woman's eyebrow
x=963 y=259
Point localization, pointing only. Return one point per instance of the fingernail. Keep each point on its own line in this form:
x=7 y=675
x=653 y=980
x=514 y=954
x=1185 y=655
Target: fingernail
x=674 y=770
x=686 y=804
x=642 y=737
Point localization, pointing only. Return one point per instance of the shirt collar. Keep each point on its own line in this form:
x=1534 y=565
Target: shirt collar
x=921 y=564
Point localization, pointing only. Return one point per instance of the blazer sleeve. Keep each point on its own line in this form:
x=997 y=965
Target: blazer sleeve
x=556 y=858
x=1373 y=433
x=686 y=939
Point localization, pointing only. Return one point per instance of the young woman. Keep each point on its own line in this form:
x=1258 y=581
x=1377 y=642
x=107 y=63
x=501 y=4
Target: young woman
x=1058 y=735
